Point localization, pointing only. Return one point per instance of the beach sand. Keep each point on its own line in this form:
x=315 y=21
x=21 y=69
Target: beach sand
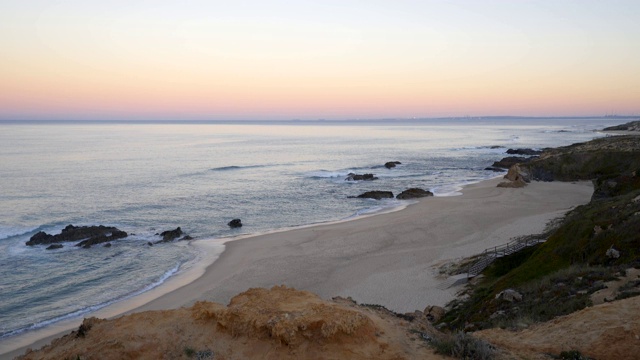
x=388 y=259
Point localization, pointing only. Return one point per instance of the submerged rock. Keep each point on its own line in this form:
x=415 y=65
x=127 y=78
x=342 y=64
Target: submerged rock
x=360 y=177
x=235 y=223
x=54 y=246
x=413 y=193
x=376 y=194
x=392 y=164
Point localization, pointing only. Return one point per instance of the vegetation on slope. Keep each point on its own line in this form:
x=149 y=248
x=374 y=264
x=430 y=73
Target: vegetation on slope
x=592 y=245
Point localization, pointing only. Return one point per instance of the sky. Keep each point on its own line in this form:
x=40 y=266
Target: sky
x=346 y=59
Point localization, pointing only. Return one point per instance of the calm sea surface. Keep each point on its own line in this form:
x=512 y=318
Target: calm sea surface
x=147 y=178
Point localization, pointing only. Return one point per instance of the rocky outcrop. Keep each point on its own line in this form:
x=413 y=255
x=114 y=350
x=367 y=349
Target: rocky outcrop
x=630 y=126
x=375 y=194
x=509 y=161
x=413 y=193
x=235 y=223
x=605 y=158
x=276 y=323
x=391 y=164
x=360 y=177
x=90 y=234
x=525 y=151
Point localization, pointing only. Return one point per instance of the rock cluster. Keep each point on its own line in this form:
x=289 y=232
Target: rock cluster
x=90 y=235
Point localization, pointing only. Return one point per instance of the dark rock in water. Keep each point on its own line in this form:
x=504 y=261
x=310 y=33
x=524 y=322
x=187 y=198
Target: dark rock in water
x=413 y=193
x=392 y=164
x=359 y=177
x=235 y=223
x=107 y=244
x=509 y=161
x=186 y=237
x=376 y=194
x=526 y=151
x=99 y=239
x=54 y=246
x=170 y=235
x=494 y=169
x=149 y=243
x=90 y=234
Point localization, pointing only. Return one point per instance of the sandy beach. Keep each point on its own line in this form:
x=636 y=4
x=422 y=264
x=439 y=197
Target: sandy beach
x=387 y=259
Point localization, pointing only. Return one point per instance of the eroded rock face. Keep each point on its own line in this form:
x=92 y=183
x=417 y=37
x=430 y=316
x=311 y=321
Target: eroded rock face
x=375 y=194
x=90 y=234
x=413 y=193
x=282 y=322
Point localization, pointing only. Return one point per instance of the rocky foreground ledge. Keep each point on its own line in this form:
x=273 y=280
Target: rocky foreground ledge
x=280 y=323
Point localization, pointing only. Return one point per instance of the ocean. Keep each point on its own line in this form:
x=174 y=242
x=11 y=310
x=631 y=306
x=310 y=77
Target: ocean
x=145 y=178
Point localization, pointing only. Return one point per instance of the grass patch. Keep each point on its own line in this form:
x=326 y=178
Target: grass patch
x=463 y=346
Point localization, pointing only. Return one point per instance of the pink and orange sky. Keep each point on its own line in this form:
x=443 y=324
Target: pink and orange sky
x=233 y=60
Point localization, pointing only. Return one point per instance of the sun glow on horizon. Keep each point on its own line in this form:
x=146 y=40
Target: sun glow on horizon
x=334 y=60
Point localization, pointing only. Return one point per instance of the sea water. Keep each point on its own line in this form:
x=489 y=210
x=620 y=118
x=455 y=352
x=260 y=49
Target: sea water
x=145 y=178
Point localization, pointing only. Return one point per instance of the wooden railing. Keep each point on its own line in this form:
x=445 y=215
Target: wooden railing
x=490 y=255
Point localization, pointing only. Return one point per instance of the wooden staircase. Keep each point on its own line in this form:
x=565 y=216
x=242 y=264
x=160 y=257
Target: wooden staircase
x=490 y=255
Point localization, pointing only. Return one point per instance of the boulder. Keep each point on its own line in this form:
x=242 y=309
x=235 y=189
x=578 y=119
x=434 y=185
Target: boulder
x=413 y=193
x=54 y=246
x=235 y=223
x=107 y=245
x=391 y=164
x=360 y=177
x=170 y=235
x=612 y=253
x=89 y=234
x=186 y=237
x=526 y=152
x=509 y=295
x=516 y=178
x=434 y=313
x=376 y=194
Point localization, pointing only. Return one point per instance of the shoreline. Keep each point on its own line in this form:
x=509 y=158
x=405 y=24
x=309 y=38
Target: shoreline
x=360 y=257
